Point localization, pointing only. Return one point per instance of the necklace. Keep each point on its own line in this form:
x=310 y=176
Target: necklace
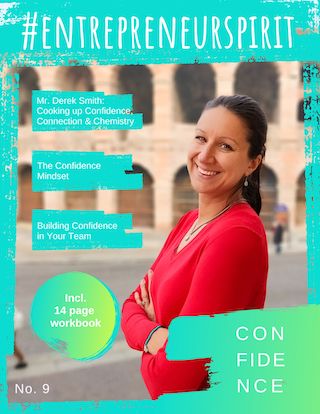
x=195 y=228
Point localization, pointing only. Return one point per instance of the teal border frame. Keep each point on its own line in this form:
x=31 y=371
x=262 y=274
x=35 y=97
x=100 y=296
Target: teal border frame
x=9 y=172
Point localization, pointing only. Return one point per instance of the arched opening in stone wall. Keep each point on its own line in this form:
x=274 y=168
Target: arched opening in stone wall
x=184 y=196
x=269 y=195
x=140 y=203
x=75 y=78
x=137 y=80
x=81 y=200
x=28 y=81
x=300 y=216
x=261 y=82
x=195 y=85
x=27 y=199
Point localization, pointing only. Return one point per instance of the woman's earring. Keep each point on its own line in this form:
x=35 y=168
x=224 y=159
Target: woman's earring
x=246 y=183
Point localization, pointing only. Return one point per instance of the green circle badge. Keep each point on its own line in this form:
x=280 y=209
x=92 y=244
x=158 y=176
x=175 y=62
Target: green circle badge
x=77 y=315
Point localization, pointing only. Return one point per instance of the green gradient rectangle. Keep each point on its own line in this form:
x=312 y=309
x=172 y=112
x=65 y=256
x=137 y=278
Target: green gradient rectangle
x=290 y=333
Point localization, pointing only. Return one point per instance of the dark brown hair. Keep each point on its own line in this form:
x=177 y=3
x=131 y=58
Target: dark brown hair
x=250 y=112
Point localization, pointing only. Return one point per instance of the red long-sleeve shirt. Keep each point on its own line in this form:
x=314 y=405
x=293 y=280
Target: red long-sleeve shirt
x=224 y=268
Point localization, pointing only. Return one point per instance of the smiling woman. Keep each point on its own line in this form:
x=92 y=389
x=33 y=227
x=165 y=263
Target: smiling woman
x=215 y=260
x=218 y=158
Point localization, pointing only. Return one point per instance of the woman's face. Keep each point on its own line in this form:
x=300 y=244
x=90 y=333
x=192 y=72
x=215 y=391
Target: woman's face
x=218 y=156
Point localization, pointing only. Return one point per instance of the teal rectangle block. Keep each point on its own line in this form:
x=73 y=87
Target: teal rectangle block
x=78 y=111
x=312 y=175
x=78 y=230
x=221 y=31
x=74 y=170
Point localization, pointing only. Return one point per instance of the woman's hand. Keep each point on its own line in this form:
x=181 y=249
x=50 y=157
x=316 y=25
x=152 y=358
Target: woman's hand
x=157 y=340
x=146 y=300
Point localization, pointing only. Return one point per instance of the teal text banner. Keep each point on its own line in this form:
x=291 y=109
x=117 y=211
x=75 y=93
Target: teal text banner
x=212 y=31
x=71 y=170
x=77 y=230
x=82 y=111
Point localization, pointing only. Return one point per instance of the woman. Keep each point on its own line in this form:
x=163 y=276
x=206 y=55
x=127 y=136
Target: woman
x=215 y=260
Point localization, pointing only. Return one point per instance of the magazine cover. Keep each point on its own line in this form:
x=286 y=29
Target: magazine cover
x=159 y=207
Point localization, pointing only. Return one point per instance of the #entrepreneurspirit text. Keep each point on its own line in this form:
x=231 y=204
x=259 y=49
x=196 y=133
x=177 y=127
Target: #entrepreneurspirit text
x=157 y=33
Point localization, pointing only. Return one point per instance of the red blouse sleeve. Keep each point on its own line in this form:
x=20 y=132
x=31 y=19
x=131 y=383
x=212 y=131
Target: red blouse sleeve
x=230 y=275
x=135 y=324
